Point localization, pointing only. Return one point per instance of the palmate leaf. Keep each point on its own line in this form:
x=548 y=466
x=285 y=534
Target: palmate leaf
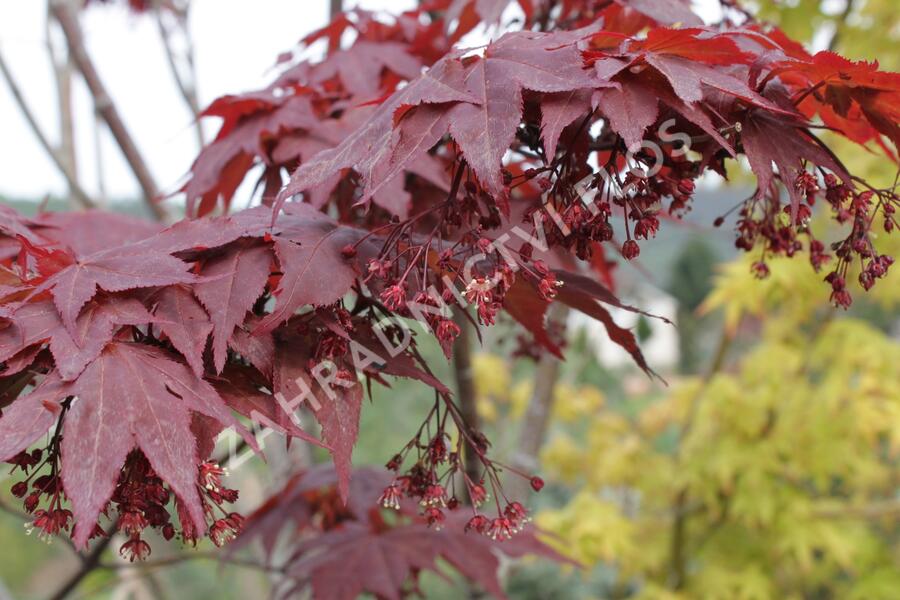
x=314 y=268
x=365 y=553
x=486 y=93
x=768 y=139
x=88 y=232
x=185 y=323
x=528 y=308
x=852 y=97
x=237 y=280
x=135 y=396
x=113 y=270
x=365 y=148
x=36 y=323
x=335 y=401
x=30 y=416
x=248 y=120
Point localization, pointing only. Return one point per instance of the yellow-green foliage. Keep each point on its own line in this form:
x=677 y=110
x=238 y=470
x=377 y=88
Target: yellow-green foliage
x=782 y=467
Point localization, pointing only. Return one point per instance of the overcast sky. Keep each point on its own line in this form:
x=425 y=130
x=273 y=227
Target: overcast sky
x=236 y=43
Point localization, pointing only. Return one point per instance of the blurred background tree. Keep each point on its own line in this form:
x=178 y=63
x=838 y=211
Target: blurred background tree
x=774 y=475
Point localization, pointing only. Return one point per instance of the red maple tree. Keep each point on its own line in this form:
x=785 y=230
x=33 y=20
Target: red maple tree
x=402 y=177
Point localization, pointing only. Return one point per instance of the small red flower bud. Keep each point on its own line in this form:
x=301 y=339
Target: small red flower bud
x=31 y=502
x=394 y=463
x=135 y=549
x=479 y=523
x=537 y=484
x=435 y=517
x=168 y=532
x=348 y=251
x=686 y=187
x=760 y=270
x=630 y=250
x=20 y=489
x=866 y=280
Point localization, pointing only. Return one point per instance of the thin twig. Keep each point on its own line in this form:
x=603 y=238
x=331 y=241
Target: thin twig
x=187 y=84
x=62 y=72
x=88 y=564
x=191 y=556
x=80 y=195
x=68 y=21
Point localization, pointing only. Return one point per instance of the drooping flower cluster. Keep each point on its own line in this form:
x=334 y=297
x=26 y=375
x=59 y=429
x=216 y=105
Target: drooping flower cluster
x=443 y=478
x=40 y=487
x=140 y=501
x=768 y=224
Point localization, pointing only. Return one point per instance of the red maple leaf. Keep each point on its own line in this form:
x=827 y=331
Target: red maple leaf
x=237 y=280
x=112 y=270
x=134 y=396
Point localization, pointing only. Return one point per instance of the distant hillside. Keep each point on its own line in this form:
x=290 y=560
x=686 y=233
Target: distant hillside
x=30 y=207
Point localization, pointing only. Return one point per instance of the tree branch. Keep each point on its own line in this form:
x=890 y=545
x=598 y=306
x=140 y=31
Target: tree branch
x=77 y=191
x=187 y=84
x=62 y=72
x=88 y=564
x=68 y=21
x=336 y=7
x=841 y=23
x=182 y=558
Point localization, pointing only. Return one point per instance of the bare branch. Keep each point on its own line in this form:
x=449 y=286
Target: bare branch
x=77 y=191
x=89 y=563
x=186 y=81
x=102 y=100
x=62 y=73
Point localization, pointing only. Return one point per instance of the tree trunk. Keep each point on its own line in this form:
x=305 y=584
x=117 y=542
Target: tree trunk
x=465 y=388
x=537 y=417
